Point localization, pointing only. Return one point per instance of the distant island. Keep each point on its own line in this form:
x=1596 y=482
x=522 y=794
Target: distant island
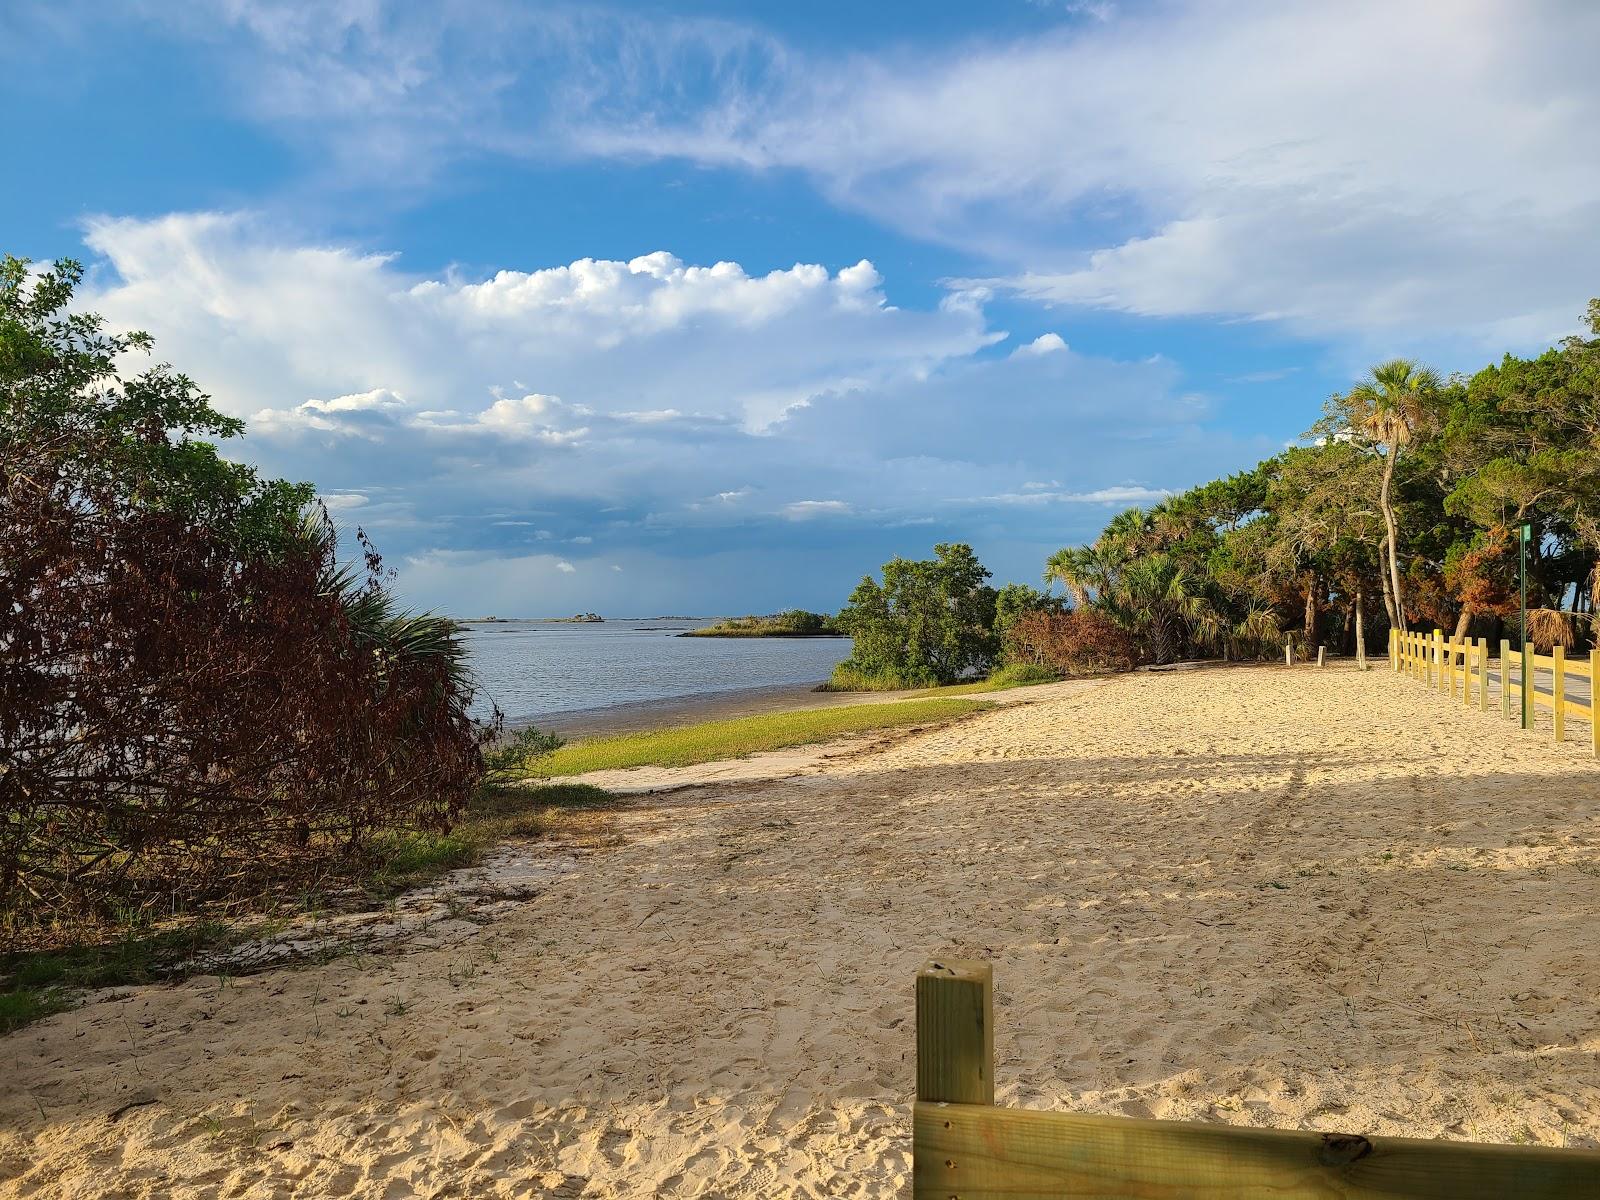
x=797 y=622
x=580 y=619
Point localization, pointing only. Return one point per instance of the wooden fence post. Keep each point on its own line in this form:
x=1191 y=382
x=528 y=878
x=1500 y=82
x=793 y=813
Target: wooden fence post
x=1438 y=658
x=1594 y=701
x=955 y=1032
x=1558 y=690
x=1288 y=654
x=1483 y=674
x=1528 y=690
x=1321 y=651
x=1505 y=679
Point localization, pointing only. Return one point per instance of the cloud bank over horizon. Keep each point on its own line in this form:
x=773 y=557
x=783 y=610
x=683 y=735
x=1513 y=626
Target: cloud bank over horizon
x=572 y=427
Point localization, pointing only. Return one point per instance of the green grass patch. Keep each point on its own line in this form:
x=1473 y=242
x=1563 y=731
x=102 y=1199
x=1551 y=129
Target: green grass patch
x=711 y=741
x=848 y=678
x=24 y=1006
x=37 y=984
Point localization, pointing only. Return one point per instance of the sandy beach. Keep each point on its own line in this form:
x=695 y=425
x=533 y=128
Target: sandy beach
x=1303 y=898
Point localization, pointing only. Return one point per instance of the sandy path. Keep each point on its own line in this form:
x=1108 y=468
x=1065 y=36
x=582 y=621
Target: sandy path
x=1195 y=909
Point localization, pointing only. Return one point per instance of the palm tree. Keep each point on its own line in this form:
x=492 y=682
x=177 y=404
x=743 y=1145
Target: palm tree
x=1154 y=598
x=397 y=639
x=1084 y=572
x=1391 y=407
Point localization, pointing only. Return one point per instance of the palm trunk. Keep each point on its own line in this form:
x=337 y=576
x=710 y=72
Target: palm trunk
x=1394 y=537
x=1383 y=579
x=1462 y=622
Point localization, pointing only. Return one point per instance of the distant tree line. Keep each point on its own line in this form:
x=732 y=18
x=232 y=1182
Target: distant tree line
x=1402 y=509
x=795 y=622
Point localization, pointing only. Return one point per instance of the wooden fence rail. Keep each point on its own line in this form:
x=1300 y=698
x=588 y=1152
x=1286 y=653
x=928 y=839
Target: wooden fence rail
x=1464 y=665
x=964 y=1148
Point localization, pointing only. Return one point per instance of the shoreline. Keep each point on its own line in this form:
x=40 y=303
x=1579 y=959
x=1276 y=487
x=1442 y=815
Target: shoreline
x=644 y=716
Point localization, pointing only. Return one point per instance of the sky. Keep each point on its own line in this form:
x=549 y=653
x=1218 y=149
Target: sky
x=708 y=307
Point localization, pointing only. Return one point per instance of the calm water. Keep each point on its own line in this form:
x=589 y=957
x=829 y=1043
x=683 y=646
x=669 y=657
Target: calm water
x=530 y=668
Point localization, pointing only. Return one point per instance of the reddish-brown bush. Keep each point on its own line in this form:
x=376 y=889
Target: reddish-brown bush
x=178 y=719
x=1080 y=642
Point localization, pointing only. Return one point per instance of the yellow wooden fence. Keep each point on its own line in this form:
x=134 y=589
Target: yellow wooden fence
x=1464 y=666
x=964 y=1148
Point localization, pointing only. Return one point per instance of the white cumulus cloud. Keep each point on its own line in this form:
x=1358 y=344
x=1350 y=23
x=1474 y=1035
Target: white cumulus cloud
x=663 y=410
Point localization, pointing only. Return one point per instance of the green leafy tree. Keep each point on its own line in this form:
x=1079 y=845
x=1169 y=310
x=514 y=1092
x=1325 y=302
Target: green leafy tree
x=1015 y=601
x=930 y=621
x=141 y=440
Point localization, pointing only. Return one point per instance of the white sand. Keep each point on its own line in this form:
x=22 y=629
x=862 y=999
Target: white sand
x=1258 y=896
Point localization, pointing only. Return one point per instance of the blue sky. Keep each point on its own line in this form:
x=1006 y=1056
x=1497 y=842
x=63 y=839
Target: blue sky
x=711 y=307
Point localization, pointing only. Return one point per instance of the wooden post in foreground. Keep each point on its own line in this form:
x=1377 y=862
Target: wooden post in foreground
x=1483 y=674
x=1558 y=690
x=955 y=1032
x=1321 y=651
x=1288 y=654
x=1594 y=695
x=964 y=1148
x=1438 y=658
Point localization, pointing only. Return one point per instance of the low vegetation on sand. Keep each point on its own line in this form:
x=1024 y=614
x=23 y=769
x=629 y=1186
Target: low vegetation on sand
x=138 y=949
x=847 y=678
x=711 y=741
x=1001 y=679
x=797 y=622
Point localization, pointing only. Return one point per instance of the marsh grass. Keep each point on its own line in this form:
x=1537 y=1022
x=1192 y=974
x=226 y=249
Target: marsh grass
x=711 y=741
